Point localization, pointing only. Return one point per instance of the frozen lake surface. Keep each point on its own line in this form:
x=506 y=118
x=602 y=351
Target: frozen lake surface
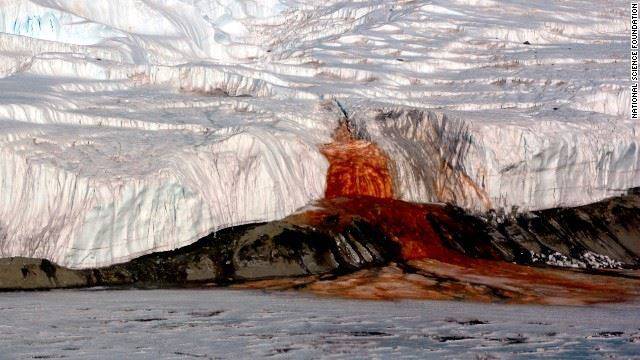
x=153 y=324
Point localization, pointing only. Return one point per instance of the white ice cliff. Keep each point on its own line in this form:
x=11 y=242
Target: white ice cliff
x=133 y=126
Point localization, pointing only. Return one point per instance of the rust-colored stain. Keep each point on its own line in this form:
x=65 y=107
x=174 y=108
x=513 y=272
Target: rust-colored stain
x=435 y=280
x=432 y=270
x=359 y=186
x=405 y=223
x=356 y=167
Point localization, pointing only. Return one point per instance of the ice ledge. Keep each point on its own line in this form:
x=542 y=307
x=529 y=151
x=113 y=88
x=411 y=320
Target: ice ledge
x=508 y=163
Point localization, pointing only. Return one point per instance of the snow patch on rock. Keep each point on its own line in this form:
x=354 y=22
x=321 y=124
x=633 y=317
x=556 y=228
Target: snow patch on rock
x=587 y=260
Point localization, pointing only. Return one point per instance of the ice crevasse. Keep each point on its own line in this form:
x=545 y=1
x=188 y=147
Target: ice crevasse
x=128 y=127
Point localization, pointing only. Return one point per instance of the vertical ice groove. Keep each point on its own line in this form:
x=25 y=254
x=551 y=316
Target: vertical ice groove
x=428 y=152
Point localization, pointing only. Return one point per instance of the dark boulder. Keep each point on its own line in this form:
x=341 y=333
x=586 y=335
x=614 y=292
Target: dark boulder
x=283 y=249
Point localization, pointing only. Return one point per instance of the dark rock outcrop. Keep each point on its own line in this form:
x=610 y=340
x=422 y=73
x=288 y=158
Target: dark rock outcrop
x=37 y=274
x=284 y=249
x=250 y=252
x=609 y=228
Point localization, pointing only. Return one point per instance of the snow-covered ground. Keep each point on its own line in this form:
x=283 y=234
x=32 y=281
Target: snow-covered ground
x=118 y=136
x=210 y=324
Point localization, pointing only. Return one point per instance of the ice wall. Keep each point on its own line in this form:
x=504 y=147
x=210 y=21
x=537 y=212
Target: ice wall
x=484 y=165
x=92 y=175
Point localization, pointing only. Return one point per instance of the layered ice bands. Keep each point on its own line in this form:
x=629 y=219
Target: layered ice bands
x=128 y=127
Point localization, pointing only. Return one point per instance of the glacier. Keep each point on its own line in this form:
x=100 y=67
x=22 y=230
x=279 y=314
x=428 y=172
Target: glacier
x=128 y=127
